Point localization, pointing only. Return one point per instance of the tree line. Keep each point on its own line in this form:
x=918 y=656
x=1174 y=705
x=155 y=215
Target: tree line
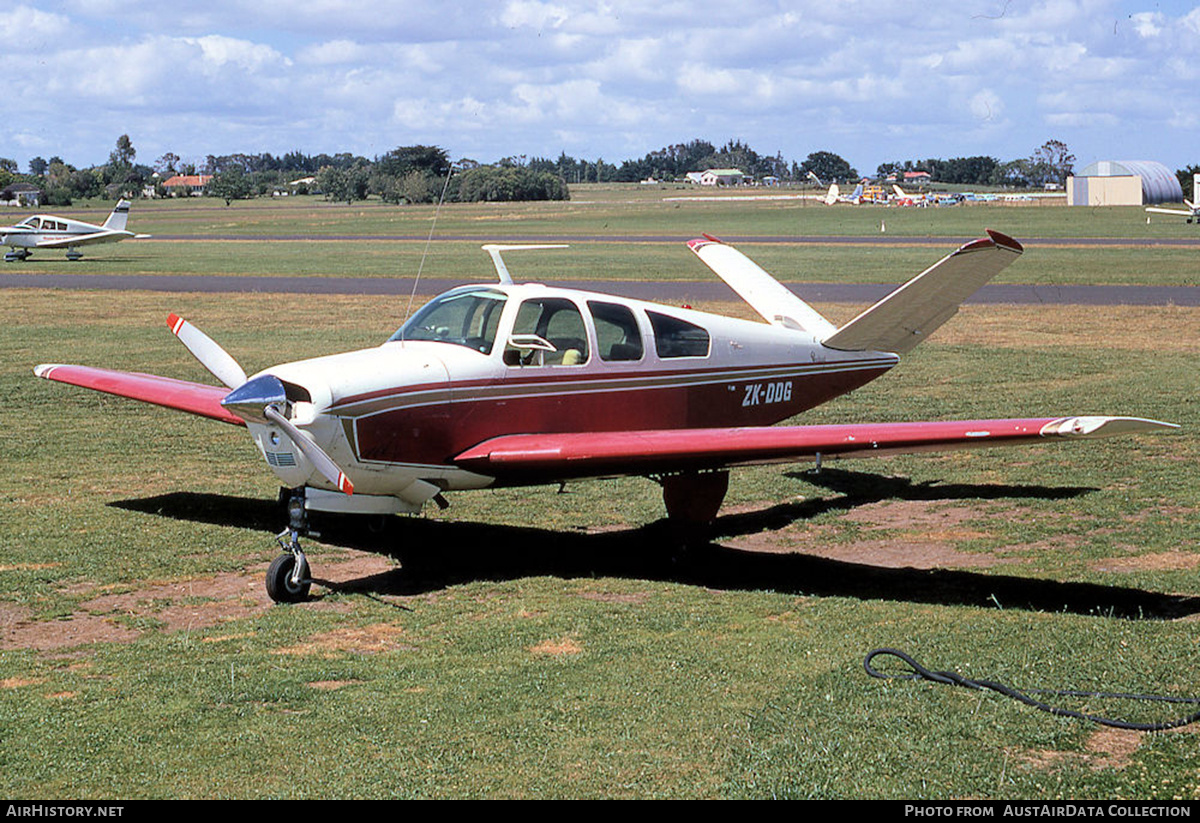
x=425 y=174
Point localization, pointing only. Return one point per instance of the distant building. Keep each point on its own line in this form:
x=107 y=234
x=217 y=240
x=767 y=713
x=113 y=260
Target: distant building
x=21 y=194
x=185 y=185
x=917 y=177
x=1123 y=183
x=722 y=177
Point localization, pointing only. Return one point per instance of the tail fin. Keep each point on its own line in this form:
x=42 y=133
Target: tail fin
x=858 y=193
x=119 y=217
x=831 y=196
x=764 y=293
x=912 y=312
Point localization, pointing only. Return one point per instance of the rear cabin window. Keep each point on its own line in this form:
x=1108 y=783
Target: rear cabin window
x=548 y=332
x=617 y=334
x=677 y=338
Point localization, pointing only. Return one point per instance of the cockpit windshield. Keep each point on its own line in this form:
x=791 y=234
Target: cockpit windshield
x=466 y=317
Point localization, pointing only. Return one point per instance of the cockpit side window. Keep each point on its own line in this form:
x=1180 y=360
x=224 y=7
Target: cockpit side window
x=617 y=335
x=677 y=338
x=548 y=332
x=469 y=317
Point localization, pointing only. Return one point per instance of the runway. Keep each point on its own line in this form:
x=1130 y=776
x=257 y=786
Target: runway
x=670 y=291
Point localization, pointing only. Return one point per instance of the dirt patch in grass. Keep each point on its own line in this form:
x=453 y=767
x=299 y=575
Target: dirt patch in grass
x=1157 y=562
x=373 y=639
x=183 y=605
x=332 y=685
x=556 y=648
x=1106 y=748
x=20 y=682
x=922 y=536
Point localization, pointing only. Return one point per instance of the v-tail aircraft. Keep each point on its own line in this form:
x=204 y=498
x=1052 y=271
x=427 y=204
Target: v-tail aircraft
x=834 y=195
x=515 y=384
x=48 y=231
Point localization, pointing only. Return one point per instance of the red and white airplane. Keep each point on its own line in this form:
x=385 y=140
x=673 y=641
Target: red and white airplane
x=513 y=384
x=47 y=231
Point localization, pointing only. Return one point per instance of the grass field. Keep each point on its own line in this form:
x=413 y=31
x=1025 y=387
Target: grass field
x=527 y=643
x=617 y=233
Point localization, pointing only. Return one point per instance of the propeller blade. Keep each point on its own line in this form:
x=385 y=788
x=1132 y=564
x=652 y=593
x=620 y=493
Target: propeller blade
x=323 y=462
x=205 y=349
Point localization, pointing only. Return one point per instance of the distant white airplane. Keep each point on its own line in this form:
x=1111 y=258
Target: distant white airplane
x=46 y=231
x=834 y=195
x=904 y=198
x=1192 y=213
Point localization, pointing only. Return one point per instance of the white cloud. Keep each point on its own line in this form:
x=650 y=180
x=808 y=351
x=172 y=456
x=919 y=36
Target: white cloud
x=986 y=105
x=28 y=24
x=611 y=77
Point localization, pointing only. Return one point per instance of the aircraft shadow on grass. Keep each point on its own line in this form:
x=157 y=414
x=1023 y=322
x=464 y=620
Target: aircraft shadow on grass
x=466 y=552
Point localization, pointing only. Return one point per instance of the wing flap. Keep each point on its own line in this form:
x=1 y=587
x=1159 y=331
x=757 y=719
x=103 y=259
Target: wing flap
x=182 y=395
x=912 y=312
x=537 y=457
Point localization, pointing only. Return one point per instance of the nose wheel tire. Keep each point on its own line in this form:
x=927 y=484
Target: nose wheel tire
x=281 y=587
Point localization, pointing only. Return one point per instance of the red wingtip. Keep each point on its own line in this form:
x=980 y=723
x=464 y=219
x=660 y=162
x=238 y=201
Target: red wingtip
x=174 y=321
x=1005 y=241
x=702 y=241
x=345 y=485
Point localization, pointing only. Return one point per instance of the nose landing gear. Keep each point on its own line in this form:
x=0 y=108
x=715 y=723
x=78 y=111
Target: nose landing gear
x=288 y=578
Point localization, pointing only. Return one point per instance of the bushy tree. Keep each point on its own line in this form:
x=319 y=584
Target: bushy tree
x=1052 y=162
x=231 y=184
x=1187 y=179
x=507 y=183
x=348 y=184
x=827 y=166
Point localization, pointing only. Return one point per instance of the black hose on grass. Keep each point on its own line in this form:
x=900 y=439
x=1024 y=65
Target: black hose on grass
x=951 y=678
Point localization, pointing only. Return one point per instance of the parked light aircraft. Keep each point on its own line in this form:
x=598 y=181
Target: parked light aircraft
x=46 y=231
x=904 y=198
x=834 y=195
x=1192 y=213
x=509 y=384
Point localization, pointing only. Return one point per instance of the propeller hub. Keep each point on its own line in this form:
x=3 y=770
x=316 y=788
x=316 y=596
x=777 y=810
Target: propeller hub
x=249 y=400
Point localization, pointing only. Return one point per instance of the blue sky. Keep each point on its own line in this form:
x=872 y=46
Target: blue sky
x=874 y=81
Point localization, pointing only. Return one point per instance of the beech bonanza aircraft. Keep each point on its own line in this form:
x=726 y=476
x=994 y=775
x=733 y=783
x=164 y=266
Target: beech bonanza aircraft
x=518 y=384
x=45 y=231
x=834 y=195
x=1192 y=213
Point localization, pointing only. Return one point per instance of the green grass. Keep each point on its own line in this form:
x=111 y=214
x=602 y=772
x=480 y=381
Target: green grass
x=644 y=232
x=528 y=643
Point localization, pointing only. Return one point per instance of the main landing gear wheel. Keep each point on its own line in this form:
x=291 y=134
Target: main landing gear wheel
x=283 y=584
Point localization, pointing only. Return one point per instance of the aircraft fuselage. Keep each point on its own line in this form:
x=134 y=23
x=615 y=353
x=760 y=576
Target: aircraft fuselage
x=484 y=361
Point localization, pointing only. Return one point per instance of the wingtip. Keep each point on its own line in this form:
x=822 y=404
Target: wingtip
x=1101 y=426
x=1004 y=241
x=174 y=323
x=44 y=370
x=704 y=240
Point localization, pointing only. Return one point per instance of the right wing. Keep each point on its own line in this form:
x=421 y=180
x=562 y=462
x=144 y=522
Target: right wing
x=536 y=458
x=182 y=395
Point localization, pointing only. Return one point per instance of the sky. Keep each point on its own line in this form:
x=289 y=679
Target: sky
x=872 y=80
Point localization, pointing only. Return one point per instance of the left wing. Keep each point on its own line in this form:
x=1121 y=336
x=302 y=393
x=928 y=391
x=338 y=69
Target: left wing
x=532 y=458
x=183 y=395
